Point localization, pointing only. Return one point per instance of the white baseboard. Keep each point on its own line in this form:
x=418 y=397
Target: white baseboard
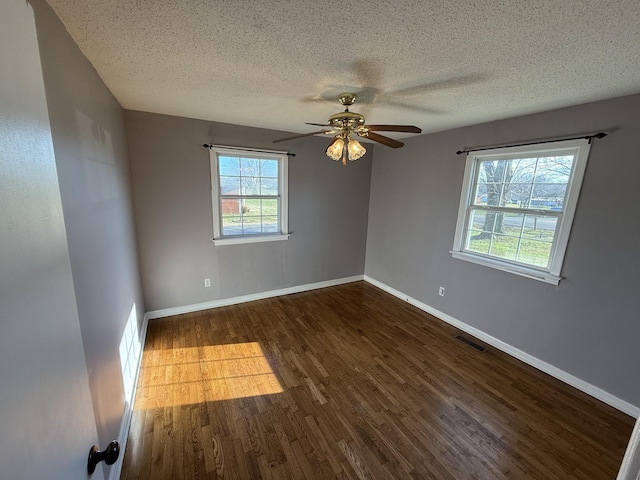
x=167 y=312
x=541 y=365
x=116 y=469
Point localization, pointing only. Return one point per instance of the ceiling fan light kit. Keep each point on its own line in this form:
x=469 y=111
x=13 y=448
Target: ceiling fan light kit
x=351 y=150
x=345 y=124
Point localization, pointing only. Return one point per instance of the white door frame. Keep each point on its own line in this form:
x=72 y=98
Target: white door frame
x=630 y=468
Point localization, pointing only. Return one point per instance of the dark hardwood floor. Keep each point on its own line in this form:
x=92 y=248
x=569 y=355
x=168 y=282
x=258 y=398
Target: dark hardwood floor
x=350 y=382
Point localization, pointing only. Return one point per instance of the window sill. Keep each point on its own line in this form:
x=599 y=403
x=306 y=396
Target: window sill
x=252 y=239
x=506 y=267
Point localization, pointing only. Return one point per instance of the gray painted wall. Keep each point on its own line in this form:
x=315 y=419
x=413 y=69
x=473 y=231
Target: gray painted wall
x=328 y=208
x=87 y=126
x=46 y=420
x=588 y=325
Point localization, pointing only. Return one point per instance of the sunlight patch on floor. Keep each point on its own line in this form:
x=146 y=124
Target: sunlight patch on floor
x=191 y=375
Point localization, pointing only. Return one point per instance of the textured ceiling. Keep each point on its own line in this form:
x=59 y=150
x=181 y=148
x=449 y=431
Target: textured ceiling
x=436 y=64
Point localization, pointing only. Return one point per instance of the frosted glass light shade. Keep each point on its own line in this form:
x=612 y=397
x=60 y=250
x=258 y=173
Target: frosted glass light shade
x=355 y=149
x=334 y=151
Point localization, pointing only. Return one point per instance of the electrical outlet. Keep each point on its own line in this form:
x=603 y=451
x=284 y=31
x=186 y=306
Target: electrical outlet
x=207 y=282
x=441 y=291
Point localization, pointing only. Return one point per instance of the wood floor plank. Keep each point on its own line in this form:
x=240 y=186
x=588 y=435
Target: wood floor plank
x=349 y=382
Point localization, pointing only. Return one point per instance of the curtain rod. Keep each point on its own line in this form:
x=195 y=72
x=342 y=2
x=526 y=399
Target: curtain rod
x=491 y=147
x=211 y=145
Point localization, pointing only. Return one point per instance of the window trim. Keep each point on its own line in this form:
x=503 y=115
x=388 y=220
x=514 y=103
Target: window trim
x=283 y=194
x=563 y=229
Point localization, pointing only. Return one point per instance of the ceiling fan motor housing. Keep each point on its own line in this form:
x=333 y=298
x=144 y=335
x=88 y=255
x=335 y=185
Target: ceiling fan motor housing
x=348 y=120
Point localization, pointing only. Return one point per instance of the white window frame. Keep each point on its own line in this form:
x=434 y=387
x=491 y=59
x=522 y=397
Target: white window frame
x=551 y=274
x=283 y=214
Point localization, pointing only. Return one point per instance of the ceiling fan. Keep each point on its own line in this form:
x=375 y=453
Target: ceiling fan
x=346 y=123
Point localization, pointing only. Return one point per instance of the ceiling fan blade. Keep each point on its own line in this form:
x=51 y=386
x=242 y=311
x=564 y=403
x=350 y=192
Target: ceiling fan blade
x=389 y=142
x=393 y=128
x=318 y=124
x=302 y=135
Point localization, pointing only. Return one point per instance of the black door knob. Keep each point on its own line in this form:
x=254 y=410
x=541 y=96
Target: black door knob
x=109 y=455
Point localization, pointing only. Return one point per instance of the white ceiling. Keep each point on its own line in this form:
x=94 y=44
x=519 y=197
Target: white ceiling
x=436 y=64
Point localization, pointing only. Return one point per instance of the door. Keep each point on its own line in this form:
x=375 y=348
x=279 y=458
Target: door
x=46 y=418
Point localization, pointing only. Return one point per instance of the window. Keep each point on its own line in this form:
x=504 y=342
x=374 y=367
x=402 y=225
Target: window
x=517 y=206
x=249 y=192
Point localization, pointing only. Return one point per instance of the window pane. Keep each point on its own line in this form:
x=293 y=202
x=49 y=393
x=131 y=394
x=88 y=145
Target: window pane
x=250 y=185
x=517 y=195
x=511 y=224
x=269 y=186
x=231 y=225
x=540 y=227
x=269 y=168
x=250 y=167
x=548 y=195
x=496 y=222
x=521 y=170
x=270 y=224
x=503 y=246
x=480 y=221
x=481 y=225
x=230 y=206
x=251 y=226
x=490 y=182
x=480 y=197
x=488 y=194
x=534 y=253
x=229 y=166
x=229 y=185
x=554 y=169
x=478 y=241
x=552 y=177
x=270 y=206
x=251 y=207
